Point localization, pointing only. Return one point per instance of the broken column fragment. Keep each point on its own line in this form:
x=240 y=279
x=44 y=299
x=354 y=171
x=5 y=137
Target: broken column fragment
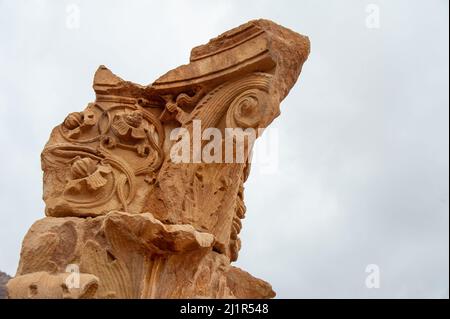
x=135 y=222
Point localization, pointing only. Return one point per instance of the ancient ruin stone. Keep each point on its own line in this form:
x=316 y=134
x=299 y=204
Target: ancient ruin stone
x=135 y=222
x=4 y=278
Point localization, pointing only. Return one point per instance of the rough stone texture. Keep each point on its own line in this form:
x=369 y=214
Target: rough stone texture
x=136 y=223
x=4 y=278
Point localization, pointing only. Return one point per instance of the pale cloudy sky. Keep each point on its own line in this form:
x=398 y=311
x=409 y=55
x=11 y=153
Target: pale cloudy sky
x=363 y=173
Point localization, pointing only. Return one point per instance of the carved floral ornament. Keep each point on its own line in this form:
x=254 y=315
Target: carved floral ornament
x=136 y=223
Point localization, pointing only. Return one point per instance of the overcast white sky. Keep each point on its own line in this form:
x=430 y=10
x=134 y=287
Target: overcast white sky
x=363 y=173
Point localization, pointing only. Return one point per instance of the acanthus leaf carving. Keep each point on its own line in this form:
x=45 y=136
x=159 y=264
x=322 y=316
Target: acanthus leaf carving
x=136 y=222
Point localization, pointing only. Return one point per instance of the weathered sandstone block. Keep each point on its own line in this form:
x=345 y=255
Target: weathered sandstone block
x=136 y=222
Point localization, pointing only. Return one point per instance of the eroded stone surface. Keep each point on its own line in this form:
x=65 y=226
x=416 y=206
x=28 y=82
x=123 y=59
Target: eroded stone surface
x=138 y=224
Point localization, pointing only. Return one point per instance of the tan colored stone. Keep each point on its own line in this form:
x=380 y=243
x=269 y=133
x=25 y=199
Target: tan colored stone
x=137 y=223
x=43 y=285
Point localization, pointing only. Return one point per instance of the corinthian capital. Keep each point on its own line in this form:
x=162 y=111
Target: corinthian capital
x=136 y=222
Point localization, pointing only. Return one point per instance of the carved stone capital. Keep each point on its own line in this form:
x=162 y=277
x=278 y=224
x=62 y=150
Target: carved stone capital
x=138 y=223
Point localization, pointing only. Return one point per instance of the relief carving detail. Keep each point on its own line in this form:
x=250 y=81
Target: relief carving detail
x=136 y=222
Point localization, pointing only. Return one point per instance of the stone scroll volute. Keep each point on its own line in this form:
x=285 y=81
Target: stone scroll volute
x=136 y=223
